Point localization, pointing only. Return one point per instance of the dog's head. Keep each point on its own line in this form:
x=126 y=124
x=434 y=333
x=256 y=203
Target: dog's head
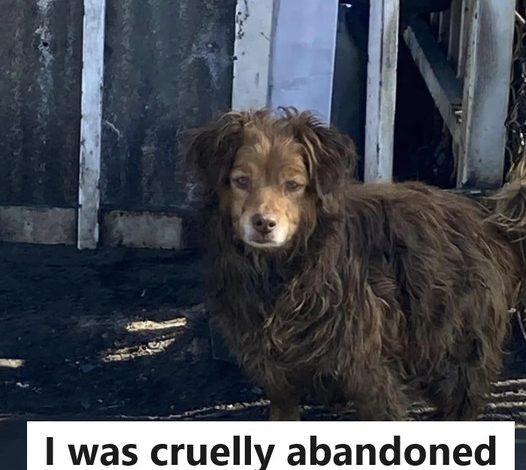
x=272 y=174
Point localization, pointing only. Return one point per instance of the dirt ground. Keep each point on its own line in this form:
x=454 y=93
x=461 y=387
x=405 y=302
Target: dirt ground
x=123 y=333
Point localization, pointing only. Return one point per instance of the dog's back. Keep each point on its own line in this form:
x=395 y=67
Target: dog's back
x=453 y=277
x=427 y=283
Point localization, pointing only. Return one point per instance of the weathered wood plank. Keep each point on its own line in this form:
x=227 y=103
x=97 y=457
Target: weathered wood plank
x=434 y=20
x=91 y=121
x=440 y=78
x=252 y=52
x=381 y=89
x=487 y=69
x=455 y=19
x=453 y=54
x=443 y=27
x=302 y=63
x=468 y=12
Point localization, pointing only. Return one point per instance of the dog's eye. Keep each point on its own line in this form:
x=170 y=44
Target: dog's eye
x=242 y=182
x=292 y=186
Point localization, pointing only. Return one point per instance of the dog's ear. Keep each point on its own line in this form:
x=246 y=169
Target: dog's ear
x=330 y=156
x=210 y=150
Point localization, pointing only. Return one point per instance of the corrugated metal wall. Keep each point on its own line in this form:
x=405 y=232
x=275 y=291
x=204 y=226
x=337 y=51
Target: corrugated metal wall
x=40 y=66
x=168 y=66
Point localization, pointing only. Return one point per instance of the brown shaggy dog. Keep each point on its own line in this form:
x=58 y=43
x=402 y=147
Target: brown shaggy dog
x=378 y=293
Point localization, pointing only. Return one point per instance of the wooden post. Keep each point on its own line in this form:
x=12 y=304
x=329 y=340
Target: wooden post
x=443 y=27
x=90 y=126
x=304 y=79
x=252 y=53
x=487 y=68
x=441 y=80
x=381 y=89
x=455 y=21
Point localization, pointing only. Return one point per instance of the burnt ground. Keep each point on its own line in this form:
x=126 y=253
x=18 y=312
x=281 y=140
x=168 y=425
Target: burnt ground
x=123 y=334
x=67 y=315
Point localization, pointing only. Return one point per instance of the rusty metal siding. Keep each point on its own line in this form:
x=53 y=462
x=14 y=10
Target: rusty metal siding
x=40 y=65
x=168 y=67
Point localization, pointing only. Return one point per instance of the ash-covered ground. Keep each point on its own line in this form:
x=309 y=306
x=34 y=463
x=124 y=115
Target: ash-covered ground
x=123 y=333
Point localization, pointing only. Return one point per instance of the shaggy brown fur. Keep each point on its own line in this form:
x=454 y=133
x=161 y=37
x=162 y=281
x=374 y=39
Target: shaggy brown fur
x=380 y=294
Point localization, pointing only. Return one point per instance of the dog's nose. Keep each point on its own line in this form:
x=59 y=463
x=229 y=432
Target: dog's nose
x=264 y=223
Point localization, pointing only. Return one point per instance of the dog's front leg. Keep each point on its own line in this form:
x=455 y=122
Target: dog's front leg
x=377 y=394
x=280 y=387
x=284 y=408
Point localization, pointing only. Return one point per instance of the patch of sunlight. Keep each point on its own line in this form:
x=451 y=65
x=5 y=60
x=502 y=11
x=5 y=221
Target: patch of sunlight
x=510 y=383
x=149 y=325
x=134 y=352
x=12 y=363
